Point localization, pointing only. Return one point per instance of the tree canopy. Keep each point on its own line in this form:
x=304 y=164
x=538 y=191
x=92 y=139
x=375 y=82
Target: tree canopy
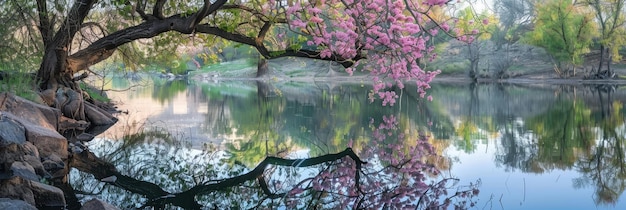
x=391 y=35
x=565 y=30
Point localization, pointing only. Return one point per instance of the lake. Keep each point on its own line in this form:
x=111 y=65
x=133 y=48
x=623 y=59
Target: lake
x=539 y=147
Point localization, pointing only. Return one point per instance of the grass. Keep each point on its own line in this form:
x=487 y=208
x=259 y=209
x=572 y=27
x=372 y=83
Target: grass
x=93 y=93
x=231 y=65
x=19 y=83
x=23 y=84
x=449 y=67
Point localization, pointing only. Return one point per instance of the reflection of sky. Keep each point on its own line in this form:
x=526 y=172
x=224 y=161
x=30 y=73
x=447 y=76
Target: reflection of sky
x=503 y=186
x=501 y=189
x=183 y=115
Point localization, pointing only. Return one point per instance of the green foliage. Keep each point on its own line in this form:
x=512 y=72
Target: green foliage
x=563 y=29
x=472 y=23
x=18 y=82
x=166 y=90
x=611 y=20
x=20 y=48
x=93 y=93
x=449 y=67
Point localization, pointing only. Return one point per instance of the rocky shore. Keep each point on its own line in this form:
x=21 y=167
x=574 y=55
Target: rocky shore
x=34 y=156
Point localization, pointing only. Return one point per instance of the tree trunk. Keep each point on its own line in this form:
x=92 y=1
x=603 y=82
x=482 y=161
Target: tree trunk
x=474 y=58
x=55 y=75
x=262 y=68
x=609 y=73
x=601 y=60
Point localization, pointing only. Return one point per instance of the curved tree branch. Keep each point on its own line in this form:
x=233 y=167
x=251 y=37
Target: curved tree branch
x=104 y=47
x=303 y=53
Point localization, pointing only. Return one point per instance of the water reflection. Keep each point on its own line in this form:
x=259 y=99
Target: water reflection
x=540 y=147
x=305 y=134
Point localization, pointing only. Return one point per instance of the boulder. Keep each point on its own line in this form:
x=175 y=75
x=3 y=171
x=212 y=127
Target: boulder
x=12 y=131
x=55 y=166
x=48 y=141
x=35 y=162
x=41 y=195
x=47 y=196
x=17 y=188
x=31 y=149
x=24 y=170
x=8 y=155
x=98 y=116
x=12 y=141
x=40 y=122
x=22 y=140
x=97 y=204
x=30 y=111
x=6 y=203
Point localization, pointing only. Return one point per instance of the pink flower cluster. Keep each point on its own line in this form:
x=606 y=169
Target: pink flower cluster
x=398 y=175
x=388 y=33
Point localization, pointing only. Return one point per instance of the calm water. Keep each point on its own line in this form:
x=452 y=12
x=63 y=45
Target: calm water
x=548 y=147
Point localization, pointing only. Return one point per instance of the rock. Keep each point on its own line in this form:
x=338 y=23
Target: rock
x=35 y=162
x=98 y=116
x=47 y=196
x=97 y=204
x=85 y=137
x=12 y=131
x=6 y=203
x=24 y=170
x=72 y=124
x=22 y=140
x=47 y=140
x=41 y=195
x=31 y=149
x=17 y=188
x=40 y=122
x=8 y=155
x=77 y=147
x=29 y=111
x=54 y=165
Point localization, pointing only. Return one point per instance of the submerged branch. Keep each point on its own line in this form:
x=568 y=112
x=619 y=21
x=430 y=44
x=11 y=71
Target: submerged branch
x=88 y=162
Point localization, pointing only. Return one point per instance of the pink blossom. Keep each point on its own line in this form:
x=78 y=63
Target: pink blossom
x=445 y=26
x=485 y=21
x=316 y=19
x=314 y=10
x=326 y=53
x=383 y=31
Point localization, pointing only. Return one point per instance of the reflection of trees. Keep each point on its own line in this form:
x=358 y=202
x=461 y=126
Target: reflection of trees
x=261 y=130
x=563 y=134
x=391 y=173
x=574 y=131
x=165 y=90
x=309 y=117
x=604 y=168
x=468 y=130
